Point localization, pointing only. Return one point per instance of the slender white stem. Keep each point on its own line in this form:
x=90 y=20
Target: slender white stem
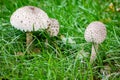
x=29 y=39
x=93 y=52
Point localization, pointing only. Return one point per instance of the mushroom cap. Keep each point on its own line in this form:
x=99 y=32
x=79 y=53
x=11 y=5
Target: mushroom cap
x=29 y=18
x=53 y=28
x=95 y=32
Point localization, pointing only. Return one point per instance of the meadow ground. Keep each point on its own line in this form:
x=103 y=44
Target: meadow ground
x=65 y=57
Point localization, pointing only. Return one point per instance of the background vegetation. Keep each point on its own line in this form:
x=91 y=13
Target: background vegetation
x=65 y=57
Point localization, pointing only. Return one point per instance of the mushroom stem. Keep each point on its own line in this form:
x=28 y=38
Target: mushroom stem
x=29 y=39
x=93 y=52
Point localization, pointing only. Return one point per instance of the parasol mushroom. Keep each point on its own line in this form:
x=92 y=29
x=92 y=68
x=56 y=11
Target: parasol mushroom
x=95 y=33
x=28 y=19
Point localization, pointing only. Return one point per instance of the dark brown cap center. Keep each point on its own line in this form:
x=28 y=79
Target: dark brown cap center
x=32 y=8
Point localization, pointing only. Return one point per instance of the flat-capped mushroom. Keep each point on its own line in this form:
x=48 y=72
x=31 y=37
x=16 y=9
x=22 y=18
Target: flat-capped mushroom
x=53 y=27
x=28 y=19
x=95 y=33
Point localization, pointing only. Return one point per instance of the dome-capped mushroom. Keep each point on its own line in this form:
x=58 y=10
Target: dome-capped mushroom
x=95 y=33
x=29 y=18
x=53 y=27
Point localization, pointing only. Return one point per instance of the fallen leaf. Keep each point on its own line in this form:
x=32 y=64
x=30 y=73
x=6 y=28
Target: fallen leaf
x=111 y=7
x=19 y=53
x=36 y=50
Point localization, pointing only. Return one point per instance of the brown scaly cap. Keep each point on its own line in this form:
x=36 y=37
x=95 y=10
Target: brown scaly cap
x=53 y=27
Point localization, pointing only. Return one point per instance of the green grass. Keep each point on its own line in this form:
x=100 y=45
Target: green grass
x=60 y=60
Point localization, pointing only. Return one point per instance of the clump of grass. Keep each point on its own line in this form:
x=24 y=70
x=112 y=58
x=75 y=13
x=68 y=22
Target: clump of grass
x=60 y=60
